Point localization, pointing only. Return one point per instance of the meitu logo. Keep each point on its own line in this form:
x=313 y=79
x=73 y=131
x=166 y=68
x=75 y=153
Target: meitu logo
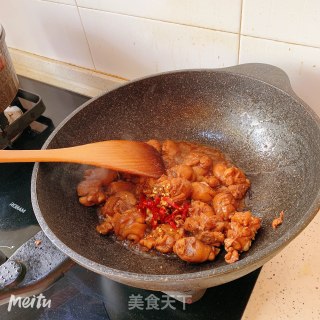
x=29 y=302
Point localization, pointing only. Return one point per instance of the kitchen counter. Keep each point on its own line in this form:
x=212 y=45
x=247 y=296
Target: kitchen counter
x=288 y=286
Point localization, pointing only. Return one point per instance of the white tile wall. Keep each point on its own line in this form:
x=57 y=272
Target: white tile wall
x=296 y=21
x=47 y=29
x=70 y=2
x=133 y=47
x=301 y=63
x=136 y=38
x=214 y=14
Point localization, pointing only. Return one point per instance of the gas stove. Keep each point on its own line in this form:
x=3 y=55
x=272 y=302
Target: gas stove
x=80 y=293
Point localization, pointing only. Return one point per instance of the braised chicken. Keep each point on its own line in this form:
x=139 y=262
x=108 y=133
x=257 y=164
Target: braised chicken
x=162 y=238
x=243 y=228
x=192 y=250
x=91 y=189
x=119 y=202
x=192 y=211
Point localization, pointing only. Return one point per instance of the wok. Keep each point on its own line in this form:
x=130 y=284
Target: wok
x=249 y=112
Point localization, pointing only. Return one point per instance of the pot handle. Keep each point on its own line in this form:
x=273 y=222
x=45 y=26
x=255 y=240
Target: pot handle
x=35 y=266
x=266 y=73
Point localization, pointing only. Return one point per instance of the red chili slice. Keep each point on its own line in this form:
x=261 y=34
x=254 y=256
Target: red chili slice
x=160 y=213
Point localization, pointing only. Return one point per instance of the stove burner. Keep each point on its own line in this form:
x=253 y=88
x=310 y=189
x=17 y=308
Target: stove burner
x=31 y=106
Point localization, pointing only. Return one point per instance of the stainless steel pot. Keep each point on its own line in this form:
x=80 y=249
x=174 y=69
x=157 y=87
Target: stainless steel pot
x=9 y=83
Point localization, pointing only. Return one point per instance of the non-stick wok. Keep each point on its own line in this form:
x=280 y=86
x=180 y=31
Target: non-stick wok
x=249 y=112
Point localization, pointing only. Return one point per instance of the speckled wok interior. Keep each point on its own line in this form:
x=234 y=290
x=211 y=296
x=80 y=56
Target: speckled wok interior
x=267 y=131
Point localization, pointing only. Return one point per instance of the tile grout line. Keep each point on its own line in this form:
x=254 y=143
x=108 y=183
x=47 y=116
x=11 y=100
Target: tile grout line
x=281 y=41
x=206 y=28
x=240 y=30
x=85 y=35
x=58 y=3
x=187 y=25
x=159 y=20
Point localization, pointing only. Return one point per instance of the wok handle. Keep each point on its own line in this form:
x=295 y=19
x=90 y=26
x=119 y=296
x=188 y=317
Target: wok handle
x=264 y=72
x=33 y=268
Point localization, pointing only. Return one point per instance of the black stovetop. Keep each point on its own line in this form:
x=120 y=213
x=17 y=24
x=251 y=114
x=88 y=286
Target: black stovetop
x=82 y=294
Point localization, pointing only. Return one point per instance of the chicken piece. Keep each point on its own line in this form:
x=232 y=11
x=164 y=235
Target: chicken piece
x=119 y=203
x=105 y=226
x=170 y=153
x=178 y=189
x=277 y=221
x=224 y=204
x=212 y=238
x=91 y=189
x=239 y=190
x=192 y=250
x=162 y=238
x=243 y=228
x=104 y=175
x=185 y=148
x=148 y=243
x=90 y=193
x=233 y=178
x=218 y=170
x=182 y=171
x=150 y=186
x=156 y=144
x=202 y=218
x=202 y=191
x=234 y=175
x=142 y=185
x=212 y=181
x=129 y=225
x=117 y=186
x=197 y=158
x=170 y=148
x=246 y=219
x=199 y=207
x=86 y=187
x=231 y=256
x=236 y=181
x=200 y=163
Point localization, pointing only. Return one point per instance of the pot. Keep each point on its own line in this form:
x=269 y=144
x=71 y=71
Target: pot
x=9 y=83
x=248 y=111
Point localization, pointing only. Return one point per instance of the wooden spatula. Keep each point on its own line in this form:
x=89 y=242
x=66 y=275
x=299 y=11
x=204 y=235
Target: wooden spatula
x=121 y=155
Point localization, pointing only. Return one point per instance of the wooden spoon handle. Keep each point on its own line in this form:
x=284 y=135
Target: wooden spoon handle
x=49 y=155
x=93 y=153
x=121 y=155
